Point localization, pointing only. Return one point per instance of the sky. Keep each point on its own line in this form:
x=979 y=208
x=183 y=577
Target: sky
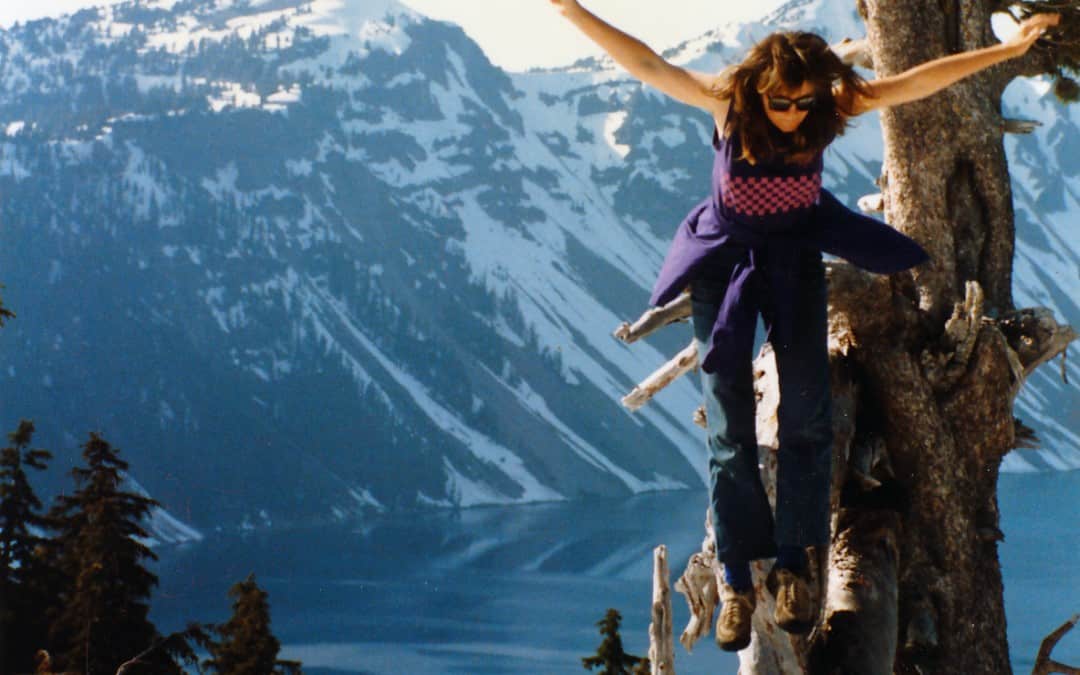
x=519 y=34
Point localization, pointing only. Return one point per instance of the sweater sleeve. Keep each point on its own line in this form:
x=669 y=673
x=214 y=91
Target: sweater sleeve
x=863 y=241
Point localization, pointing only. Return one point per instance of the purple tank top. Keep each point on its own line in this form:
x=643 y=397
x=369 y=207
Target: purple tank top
x=768 y=196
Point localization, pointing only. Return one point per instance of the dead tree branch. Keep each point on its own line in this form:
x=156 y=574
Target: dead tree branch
x=1035 y=337
x=654 y=319
x=1014 y=126
x=684 y=361
x=661 y=641
x=1044 y=665
x=700 y=585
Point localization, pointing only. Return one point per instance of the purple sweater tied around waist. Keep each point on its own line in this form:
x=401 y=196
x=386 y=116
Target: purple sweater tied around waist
x=776 y=211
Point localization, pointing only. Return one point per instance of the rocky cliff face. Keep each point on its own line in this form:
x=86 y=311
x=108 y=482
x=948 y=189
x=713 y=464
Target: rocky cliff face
x=306 y=259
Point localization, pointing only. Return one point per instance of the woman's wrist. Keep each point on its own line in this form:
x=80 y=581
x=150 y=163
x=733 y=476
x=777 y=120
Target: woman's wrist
x=1012 y=49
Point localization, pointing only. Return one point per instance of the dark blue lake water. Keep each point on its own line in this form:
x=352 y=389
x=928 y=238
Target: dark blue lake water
x=513 y=590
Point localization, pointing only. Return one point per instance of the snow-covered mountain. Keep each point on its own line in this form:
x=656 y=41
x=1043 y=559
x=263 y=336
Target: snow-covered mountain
x=300 y=259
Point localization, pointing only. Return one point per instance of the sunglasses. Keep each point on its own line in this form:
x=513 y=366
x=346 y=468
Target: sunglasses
x=783 y=104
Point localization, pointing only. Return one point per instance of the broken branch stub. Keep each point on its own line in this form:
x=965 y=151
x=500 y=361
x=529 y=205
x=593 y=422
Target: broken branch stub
x=1012 y=126
x=1024 y=435
x=854 y=52
x=945 y=366
x=874 y=203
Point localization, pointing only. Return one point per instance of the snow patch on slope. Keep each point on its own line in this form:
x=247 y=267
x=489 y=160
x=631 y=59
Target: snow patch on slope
x=162 y=526
x=483 y=447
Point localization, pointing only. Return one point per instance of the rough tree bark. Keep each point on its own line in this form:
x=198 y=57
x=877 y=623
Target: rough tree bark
x=925 y=368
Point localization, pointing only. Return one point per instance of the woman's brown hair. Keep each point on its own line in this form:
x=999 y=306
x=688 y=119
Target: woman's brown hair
x=787 y=60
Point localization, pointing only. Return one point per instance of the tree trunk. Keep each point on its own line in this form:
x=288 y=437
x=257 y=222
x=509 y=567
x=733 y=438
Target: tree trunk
x=946 y=185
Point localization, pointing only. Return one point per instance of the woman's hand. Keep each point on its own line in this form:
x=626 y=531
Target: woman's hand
x=1031 y=29
x=566 y=6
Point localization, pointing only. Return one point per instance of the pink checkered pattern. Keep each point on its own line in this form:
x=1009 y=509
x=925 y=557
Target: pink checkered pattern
x=769 y=195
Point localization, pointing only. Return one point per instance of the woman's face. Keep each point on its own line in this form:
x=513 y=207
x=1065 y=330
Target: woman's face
x=789 y=120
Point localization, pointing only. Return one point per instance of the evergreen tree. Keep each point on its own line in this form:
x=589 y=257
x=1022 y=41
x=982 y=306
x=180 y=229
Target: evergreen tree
x=23 y=574
x=19 y=506
x=610 y=654
x=101 y=621
x=247 y=646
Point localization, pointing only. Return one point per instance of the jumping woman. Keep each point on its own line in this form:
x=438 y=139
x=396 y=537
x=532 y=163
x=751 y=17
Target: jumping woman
x=754 y=247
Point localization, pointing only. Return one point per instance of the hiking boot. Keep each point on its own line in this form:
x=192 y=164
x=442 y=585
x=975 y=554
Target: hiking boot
x=733 y=624
x=795 y=612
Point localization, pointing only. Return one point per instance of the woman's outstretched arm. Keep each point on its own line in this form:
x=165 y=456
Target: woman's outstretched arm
x=933 y=76
x=642 y=62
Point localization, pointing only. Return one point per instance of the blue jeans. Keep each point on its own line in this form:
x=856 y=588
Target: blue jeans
x=744 y=525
